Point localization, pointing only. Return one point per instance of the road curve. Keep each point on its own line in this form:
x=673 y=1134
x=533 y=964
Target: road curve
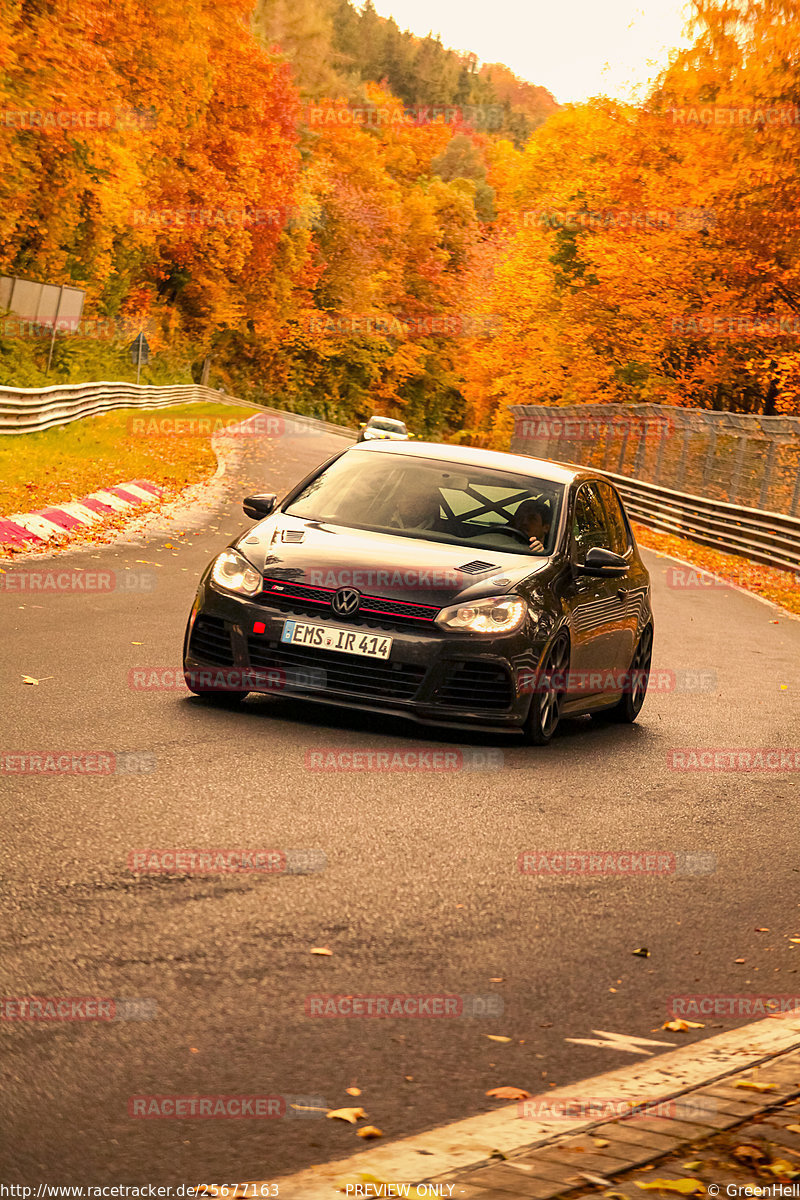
x=421 y=892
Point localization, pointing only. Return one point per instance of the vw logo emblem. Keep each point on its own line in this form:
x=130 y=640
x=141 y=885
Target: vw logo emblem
x=346 y=601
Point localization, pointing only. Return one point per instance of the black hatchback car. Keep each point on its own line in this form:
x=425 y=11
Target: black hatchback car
x=453 y=586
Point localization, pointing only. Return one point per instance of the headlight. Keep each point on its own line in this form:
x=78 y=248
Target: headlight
x=496 y=614
x=235 y=574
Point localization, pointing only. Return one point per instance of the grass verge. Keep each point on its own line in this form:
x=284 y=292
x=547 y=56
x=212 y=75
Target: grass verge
x=781 y=587
x=169 y=446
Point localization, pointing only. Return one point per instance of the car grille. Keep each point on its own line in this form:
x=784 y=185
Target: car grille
x=347 y=674
x=211 y=641
x=317 y=600
x=475 y=685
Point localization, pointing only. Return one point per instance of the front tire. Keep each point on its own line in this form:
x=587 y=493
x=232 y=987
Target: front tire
x=628 y=708
x=545 y=710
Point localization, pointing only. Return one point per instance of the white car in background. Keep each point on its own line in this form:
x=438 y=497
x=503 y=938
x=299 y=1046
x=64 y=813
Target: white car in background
x=383 y=428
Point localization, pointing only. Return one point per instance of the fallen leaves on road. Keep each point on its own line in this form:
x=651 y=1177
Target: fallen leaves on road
x=30 y=679
x=793 y=1128
x=369 y=1131
x=782 y=1166
x=321 y=950
x=496 y=1037
x=509 y=1093
x=600 y=1142
x=748 y=1153
x=754 y=1085
x=685 y=1187
x=353 y=1091
x=762 y=929
x=642 y=952
x=681 y=1026
x=347 y=1114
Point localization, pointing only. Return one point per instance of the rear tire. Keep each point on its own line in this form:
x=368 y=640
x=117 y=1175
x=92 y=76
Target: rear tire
x=628 y=708
x=545 y=710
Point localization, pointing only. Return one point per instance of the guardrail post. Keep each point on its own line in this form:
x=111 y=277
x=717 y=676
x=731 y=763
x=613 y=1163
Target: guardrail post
x=623 y=449
x=766 y=479
x=712 y=449
x=736 y=482
x=687 y=433
x=607 y=450
x=662 y=445
x=796 y=496
x=641 y=449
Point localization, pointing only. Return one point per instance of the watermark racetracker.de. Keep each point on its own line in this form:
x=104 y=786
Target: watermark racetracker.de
x=774 y=759
x=59 y=1009
x=225 y=1107
x=403 y=1005
x=57 y=761
x=412 y=758
x=38 y=582
x=626 y=863
x=226 y=861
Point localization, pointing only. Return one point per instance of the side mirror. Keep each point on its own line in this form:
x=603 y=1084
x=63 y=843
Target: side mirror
x=362 y=425
x=259 y=507
x=602 y=562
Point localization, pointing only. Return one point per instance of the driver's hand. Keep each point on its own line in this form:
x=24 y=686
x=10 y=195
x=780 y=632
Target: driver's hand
x=536 y=546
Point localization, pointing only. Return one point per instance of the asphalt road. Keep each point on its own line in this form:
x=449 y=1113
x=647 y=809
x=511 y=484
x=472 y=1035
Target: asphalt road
x=421 y=893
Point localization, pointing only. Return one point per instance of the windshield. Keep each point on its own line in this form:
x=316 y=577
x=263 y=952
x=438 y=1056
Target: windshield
x=435 y=501
x=387 y=425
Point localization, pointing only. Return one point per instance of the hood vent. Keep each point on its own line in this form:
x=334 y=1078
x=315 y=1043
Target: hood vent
x=293 y=535
x=476 y=567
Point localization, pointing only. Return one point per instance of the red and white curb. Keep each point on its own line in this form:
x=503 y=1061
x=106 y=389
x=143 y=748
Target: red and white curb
x=36 y=528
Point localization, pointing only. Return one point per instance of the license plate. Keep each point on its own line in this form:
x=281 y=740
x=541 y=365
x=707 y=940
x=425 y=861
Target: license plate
x=327 y=637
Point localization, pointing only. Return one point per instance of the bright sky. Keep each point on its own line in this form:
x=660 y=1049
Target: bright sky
x=575 y=48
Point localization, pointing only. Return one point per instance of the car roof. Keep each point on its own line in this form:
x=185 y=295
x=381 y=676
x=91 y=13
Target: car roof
x=472 y=456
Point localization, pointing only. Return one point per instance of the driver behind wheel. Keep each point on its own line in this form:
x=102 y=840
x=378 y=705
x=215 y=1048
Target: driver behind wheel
x=415 y=510
x=533 y=519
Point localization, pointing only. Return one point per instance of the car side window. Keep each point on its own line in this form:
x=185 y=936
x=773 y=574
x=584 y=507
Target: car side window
x=589 y=523
x=620 y=540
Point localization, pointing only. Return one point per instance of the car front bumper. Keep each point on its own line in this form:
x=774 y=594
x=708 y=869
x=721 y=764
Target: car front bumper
x=453 y=680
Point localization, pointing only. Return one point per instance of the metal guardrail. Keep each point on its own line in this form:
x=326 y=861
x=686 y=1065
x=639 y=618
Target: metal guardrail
x=645 y=450
x=31 y=410
x=766 y=537
x=737 y=458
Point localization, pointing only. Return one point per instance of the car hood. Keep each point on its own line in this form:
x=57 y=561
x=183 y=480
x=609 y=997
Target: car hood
x=377 y=564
